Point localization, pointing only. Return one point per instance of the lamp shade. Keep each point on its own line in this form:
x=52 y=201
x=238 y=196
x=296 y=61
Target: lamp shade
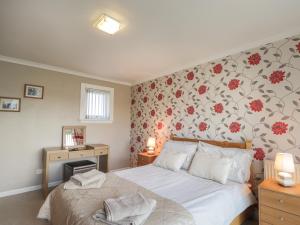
x=151 y=143
x=284 y=162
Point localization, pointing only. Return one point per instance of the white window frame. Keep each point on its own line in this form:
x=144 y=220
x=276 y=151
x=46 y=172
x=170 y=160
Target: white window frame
x=83 y=103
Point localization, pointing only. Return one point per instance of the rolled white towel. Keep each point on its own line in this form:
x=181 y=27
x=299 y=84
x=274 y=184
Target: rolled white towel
x=89 y=177
x=100 y=215
x=125 y=206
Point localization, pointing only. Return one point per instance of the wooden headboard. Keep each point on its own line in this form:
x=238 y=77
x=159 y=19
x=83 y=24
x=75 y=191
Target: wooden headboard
x=247 y=145
x=225 y=144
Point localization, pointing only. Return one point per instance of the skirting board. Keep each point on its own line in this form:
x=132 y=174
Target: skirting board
x=27 y=189
x=38 y=187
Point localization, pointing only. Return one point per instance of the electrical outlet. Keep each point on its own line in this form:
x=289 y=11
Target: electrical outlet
x=38 y=171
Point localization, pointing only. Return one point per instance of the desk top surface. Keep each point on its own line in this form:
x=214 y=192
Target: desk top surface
x=89 y=147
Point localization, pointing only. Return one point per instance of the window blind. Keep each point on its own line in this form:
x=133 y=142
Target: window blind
x=97 y=104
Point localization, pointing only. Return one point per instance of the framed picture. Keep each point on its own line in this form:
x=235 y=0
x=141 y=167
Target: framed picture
x=33 y=91
x=10 y=104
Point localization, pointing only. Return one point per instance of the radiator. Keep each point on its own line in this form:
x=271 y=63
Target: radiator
x=269 y=171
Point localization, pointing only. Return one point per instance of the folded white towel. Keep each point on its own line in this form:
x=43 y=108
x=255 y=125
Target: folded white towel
x=71 y=185
x=89 y=177
x=125 y=206
x=100 y=215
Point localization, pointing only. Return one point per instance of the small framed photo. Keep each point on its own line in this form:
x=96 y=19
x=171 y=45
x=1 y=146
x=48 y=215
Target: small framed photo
x=8 y=104
x=33 y=91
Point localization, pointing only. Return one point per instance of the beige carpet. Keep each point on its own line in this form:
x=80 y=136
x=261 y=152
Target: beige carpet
x=22 y=210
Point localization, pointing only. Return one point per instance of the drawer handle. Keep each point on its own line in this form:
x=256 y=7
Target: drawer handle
x=59 y=157
x=281 y=200
x=281 y=218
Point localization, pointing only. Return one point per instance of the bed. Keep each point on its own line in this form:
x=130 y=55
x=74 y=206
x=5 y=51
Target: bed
x=182 y=198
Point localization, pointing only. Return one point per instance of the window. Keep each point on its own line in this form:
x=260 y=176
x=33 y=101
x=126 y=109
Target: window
x=96 y=103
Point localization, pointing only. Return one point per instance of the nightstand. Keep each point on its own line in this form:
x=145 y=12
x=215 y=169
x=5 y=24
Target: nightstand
x=144 y=158
x=278 y=205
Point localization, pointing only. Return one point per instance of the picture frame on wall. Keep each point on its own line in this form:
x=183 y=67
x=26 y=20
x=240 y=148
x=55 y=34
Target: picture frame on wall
x=8 y=104
x=33 y=91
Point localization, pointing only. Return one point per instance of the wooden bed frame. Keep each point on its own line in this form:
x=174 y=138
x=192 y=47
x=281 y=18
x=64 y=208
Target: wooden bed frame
x=241 y=218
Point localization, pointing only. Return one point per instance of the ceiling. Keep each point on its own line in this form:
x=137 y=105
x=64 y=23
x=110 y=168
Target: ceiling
x=158 y=37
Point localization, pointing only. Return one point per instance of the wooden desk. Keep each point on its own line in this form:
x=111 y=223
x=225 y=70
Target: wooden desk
x=100 y=151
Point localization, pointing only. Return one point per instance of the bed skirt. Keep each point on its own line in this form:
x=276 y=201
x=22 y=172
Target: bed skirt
x=76 y=207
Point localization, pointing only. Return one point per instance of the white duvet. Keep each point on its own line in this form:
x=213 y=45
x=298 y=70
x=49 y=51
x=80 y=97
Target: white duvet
x=209 y=202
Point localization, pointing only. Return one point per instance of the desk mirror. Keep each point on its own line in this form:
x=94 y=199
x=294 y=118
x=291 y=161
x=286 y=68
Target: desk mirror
x=74 y=137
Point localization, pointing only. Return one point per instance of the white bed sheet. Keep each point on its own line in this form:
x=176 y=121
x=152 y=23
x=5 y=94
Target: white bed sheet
x=209 y=202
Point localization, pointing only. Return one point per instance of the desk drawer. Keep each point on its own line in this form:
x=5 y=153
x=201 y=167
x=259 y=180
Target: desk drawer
x=58 y=156
x=284 y=202
x=102 y=151
x=277 y=217
x=80 y=154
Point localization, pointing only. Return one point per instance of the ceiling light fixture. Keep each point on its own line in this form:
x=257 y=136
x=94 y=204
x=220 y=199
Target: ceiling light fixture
x=107 y=24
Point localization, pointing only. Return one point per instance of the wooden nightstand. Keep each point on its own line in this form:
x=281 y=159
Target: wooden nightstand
x=144 y=158
x=278 y=205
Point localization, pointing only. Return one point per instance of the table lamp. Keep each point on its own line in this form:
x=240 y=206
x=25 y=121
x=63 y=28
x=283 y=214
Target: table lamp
x=150 y=145
x=285 y=168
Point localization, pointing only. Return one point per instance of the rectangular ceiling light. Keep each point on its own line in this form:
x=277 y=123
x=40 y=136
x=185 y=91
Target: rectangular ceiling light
x=107 y=24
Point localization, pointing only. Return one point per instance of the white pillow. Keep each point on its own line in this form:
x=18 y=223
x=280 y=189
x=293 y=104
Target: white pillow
x=170 y=160
x=189 y=148
x=210 y=166
x=242 y=159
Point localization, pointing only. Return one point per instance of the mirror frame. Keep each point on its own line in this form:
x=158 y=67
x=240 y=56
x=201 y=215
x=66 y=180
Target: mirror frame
x=65 y=128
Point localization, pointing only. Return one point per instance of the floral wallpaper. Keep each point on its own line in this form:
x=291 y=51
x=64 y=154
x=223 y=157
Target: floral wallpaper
x=251 y=95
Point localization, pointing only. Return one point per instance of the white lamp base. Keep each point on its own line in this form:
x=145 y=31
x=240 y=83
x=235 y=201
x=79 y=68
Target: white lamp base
x=150 y=151
x=285 y=180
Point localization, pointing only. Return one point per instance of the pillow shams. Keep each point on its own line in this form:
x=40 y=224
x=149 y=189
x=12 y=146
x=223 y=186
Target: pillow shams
x=189 y=148
x=211 y=167
x=170 y=160
x=242 y=159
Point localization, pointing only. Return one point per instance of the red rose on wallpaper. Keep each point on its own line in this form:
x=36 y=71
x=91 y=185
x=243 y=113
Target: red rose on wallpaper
x=132 y=149
x=233 y=84
x=132 y=102
x=160 y=125
x=202 y=89
x=169 y=81
x=160 y=97
x=254 y=59
x=139 y=113
x=217 y=68
x=190 y=110
x=256 y=105
x=259 y=154
x=178 y=126
x=132 y=125
x=139 y=89
x=277 y=76
x=169 y=111
x=279 y=128
x=138 y=139
x=202 y=126
x=145 y=125
x=298 y=47
x=235 y=127
x=145 y=99
x=218 y=108
x=152 y=86
x=178 y=93
x=190 y=76
x=152 y=113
